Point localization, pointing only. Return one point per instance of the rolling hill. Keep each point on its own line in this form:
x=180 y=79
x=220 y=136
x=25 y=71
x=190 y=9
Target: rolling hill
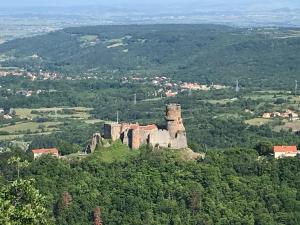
x=205 y=53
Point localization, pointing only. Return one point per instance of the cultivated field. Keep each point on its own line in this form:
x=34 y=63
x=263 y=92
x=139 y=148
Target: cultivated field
x=43 y=121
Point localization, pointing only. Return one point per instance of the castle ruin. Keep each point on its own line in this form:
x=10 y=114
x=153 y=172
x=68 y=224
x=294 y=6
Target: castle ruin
x=134 y=135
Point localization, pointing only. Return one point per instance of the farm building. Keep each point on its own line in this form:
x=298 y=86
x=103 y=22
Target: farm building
x=285 y=151
x=43 y=151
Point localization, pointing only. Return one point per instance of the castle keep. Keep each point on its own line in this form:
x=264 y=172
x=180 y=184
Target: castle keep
x=135 y=135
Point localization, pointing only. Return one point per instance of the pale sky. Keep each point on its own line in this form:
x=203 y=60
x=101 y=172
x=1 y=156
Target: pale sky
x=234 y=3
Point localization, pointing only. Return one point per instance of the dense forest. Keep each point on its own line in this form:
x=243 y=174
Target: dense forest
x=204 y=53
x=233 y=186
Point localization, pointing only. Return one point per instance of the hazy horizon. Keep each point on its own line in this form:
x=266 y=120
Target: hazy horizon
x=272 y=4
x=42 y=16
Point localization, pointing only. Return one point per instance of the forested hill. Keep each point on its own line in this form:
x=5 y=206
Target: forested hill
x=204 y=53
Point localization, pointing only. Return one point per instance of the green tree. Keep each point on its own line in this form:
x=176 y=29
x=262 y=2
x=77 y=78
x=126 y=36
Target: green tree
x=264 y=148
x=20 y=201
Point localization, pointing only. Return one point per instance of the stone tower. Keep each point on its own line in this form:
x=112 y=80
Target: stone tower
x=174 y=120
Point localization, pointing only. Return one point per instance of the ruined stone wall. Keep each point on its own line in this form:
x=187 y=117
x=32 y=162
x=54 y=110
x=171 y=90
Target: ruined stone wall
x=135 y=135
x=160 y=138
x=125 y=137
x=135 y=138
x=112 y=131
x=145 y=133
x=180 y=141
x=96 y=141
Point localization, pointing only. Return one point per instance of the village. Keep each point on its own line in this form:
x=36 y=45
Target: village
x=165 y=87
x=288 y=114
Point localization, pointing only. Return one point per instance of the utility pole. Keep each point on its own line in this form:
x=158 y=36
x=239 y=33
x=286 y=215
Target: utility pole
x=296 y=87
x=117 y=116
x=134 y=99
x=237 y=88
x=55 y=114
x=190 y=92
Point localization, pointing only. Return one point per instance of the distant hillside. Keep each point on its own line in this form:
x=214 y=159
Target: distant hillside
x=205 y=53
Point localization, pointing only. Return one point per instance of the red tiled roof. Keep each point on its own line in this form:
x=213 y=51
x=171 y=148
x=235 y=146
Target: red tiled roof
x=285 y=149
x=45 y=151
x=149 y=127
x=134 y=126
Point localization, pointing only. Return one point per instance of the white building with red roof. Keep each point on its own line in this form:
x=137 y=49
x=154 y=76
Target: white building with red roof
x=44 y=151
x=285 y=151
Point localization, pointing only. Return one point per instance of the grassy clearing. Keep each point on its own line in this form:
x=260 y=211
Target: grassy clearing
x=294 y=126
x=80 y=112
x=269 y=96
x=22 y=112
x=258 y=121
x=117 y=152
x=17 y=136
x=219 y=101
x=89 y=38
x=228 y=115
x=296 y=99
x=30 y=126
x=10 y=137
x=93 y=121
x=116 y=40
x=152 y=99
x=289 y=34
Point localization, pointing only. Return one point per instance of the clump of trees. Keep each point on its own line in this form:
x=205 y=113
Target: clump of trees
x=233 y=186
x=20 y=201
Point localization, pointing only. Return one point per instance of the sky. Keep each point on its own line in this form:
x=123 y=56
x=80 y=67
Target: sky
x=283 y=3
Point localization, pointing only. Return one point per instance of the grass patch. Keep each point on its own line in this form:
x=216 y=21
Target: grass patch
x=116 y=152
x=219 y=101
x=93 y=121
x=293 y=126
x=80 y=112
x=89 y=38
x=229 y=115
x=12 y=137
x=258 y=121
x=30 y=126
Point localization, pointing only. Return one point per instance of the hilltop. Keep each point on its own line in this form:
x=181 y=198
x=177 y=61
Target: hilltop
x=204 y=53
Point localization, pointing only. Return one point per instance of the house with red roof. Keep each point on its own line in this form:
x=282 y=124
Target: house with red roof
x=44 y=151
x=285 y=151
